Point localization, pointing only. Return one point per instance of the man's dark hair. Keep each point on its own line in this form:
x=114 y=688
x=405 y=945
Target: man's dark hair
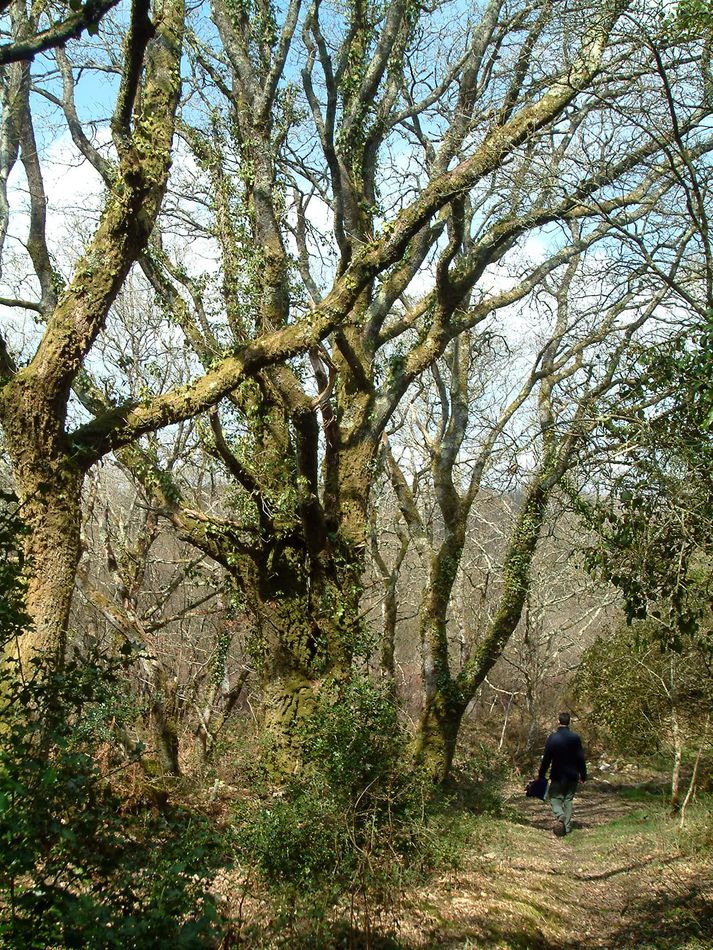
x=564 y=719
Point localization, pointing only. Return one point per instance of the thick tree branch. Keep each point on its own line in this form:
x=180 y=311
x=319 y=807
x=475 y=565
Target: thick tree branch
x=58 y=34
x=140 y=32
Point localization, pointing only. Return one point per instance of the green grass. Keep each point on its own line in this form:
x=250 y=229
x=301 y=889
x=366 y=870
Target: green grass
x=652 y=792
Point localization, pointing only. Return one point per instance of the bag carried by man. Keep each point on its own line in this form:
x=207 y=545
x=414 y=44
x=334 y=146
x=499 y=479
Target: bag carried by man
x=537 y=788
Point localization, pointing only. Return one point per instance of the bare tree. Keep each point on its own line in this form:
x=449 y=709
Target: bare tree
x=48 y=461
x=577 y=362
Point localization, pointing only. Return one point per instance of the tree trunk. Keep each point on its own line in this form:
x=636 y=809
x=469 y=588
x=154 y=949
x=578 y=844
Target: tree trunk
x=308 y=600
x=34 y=398
x=694 y=774
x=676 y=736
x=437 y=734
x=308 y=628
x=48 y=485
x=447 y=697
x=389 y=614
x=52 y=515
x=164 y=725
x=444 y=702
x=677 y=759
x=516 y=584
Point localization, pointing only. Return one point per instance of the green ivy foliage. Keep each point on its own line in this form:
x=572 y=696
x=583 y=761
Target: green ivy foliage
x=353 y=780
x=654 y=525
x=356 y=741
x=693 y=16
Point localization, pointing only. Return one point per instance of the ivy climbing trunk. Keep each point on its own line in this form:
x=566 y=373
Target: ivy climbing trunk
x=164 y=724
x=444 y=702
x=309 y=589
x=438 y=730
x=48 y=483
x=447 y=696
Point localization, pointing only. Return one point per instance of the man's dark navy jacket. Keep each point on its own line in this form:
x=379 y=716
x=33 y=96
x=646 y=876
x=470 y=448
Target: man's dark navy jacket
x=563 y=751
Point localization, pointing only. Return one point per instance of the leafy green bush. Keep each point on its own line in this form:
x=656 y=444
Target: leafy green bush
x=74 y=870
x=631 y=685
x=618 y=680
x=302 y=839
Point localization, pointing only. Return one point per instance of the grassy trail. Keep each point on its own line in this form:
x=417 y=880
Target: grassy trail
x=625 y=878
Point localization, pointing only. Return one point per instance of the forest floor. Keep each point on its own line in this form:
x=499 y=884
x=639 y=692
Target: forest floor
x=625 y=878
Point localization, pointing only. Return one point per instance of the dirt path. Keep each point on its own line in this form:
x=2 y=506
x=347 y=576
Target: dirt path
x=625 y=878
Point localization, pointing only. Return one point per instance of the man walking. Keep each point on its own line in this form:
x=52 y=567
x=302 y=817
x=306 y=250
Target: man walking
x=563 y=751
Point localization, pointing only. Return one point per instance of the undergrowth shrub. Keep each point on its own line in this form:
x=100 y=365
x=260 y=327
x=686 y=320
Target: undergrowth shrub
x=77 y=870
x=338 y=843
x=696 y=836
x=479 y=780
x=334 y=850
x=457 y=814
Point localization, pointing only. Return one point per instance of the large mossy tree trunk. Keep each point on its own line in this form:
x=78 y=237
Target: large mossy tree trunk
x=300 y=582
x=309 y=626
x=48 y=468
x=48 y=482
x=52 y=515
x=164 y=724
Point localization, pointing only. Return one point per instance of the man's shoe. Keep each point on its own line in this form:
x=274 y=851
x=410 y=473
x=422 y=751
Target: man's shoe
x=558 y=829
